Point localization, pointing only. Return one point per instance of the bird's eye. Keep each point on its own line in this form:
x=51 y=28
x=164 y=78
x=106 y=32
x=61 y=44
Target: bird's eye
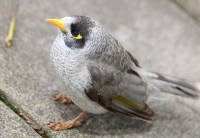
x=76 y=35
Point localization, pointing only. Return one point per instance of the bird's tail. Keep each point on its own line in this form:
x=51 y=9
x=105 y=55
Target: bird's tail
x=171 y=84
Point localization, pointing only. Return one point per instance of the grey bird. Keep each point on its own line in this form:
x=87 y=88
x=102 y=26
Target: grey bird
x=99 y=75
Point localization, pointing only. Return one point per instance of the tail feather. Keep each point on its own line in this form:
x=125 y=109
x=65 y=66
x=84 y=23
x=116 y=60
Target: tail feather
x=177 y=87
x=173 y=85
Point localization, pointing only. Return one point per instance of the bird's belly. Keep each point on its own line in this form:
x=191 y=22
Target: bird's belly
x=78 y=96
x=75 y=77
x=82 y=101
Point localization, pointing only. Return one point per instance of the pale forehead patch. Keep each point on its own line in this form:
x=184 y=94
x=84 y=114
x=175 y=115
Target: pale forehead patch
x=69 y=20
x=67 y=24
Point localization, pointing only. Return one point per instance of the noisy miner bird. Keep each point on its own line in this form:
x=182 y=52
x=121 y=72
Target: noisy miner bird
x=100 y=75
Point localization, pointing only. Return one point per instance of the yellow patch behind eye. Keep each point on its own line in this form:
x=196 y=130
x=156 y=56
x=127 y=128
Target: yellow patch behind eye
x=78 y=37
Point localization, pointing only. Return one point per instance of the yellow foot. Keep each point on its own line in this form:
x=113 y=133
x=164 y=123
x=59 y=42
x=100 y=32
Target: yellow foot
x=64 y=125
x=62 y=98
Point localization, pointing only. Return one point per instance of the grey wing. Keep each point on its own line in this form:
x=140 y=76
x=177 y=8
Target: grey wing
x=118 y=91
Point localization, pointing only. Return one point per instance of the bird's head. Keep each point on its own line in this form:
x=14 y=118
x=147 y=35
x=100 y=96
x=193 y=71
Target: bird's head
x=78 y=32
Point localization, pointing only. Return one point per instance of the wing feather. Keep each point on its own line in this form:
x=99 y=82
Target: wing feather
x=122 y=92
x=115 y=84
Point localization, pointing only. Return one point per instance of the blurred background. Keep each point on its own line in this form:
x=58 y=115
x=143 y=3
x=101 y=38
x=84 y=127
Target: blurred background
x=162 y=34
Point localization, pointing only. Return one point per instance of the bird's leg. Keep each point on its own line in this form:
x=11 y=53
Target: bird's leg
x=65 y=125
x=62 y=98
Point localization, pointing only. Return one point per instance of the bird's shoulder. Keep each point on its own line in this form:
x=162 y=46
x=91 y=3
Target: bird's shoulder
x=116 y=56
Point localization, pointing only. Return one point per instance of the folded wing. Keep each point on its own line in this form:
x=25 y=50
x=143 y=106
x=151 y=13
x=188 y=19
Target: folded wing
x=122 y=92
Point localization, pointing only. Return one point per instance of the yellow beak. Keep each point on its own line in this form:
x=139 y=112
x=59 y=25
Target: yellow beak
x=58 y=23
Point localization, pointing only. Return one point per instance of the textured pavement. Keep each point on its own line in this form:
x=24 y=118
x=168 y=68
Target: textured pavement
x=12 y=126
x=191 y=7
x=158 y=33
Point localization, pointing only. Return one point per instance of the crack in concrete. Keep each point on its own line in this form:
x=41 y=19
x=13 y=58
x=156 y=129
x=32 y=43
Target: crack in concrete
x=19 y=113
x=7 y=103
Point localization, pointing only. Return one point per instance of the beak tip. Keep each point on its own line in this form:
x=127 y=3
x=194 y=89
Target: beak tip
x=57 y=22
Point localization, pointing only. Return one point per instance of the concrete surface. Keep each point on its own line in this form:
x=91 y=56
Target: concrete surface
x=161 y=36
x=191 y=6
x=12 y=126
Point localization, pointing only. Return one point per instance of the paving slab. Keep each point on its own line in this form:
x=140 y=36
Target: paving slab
x=12 y=126
x=190 y=6
x=162 y=37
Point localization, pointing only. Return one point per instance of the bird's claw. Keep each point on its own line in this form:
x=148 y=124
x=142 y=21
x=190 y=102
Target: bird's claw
x=63 y=125
x=62 y=98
